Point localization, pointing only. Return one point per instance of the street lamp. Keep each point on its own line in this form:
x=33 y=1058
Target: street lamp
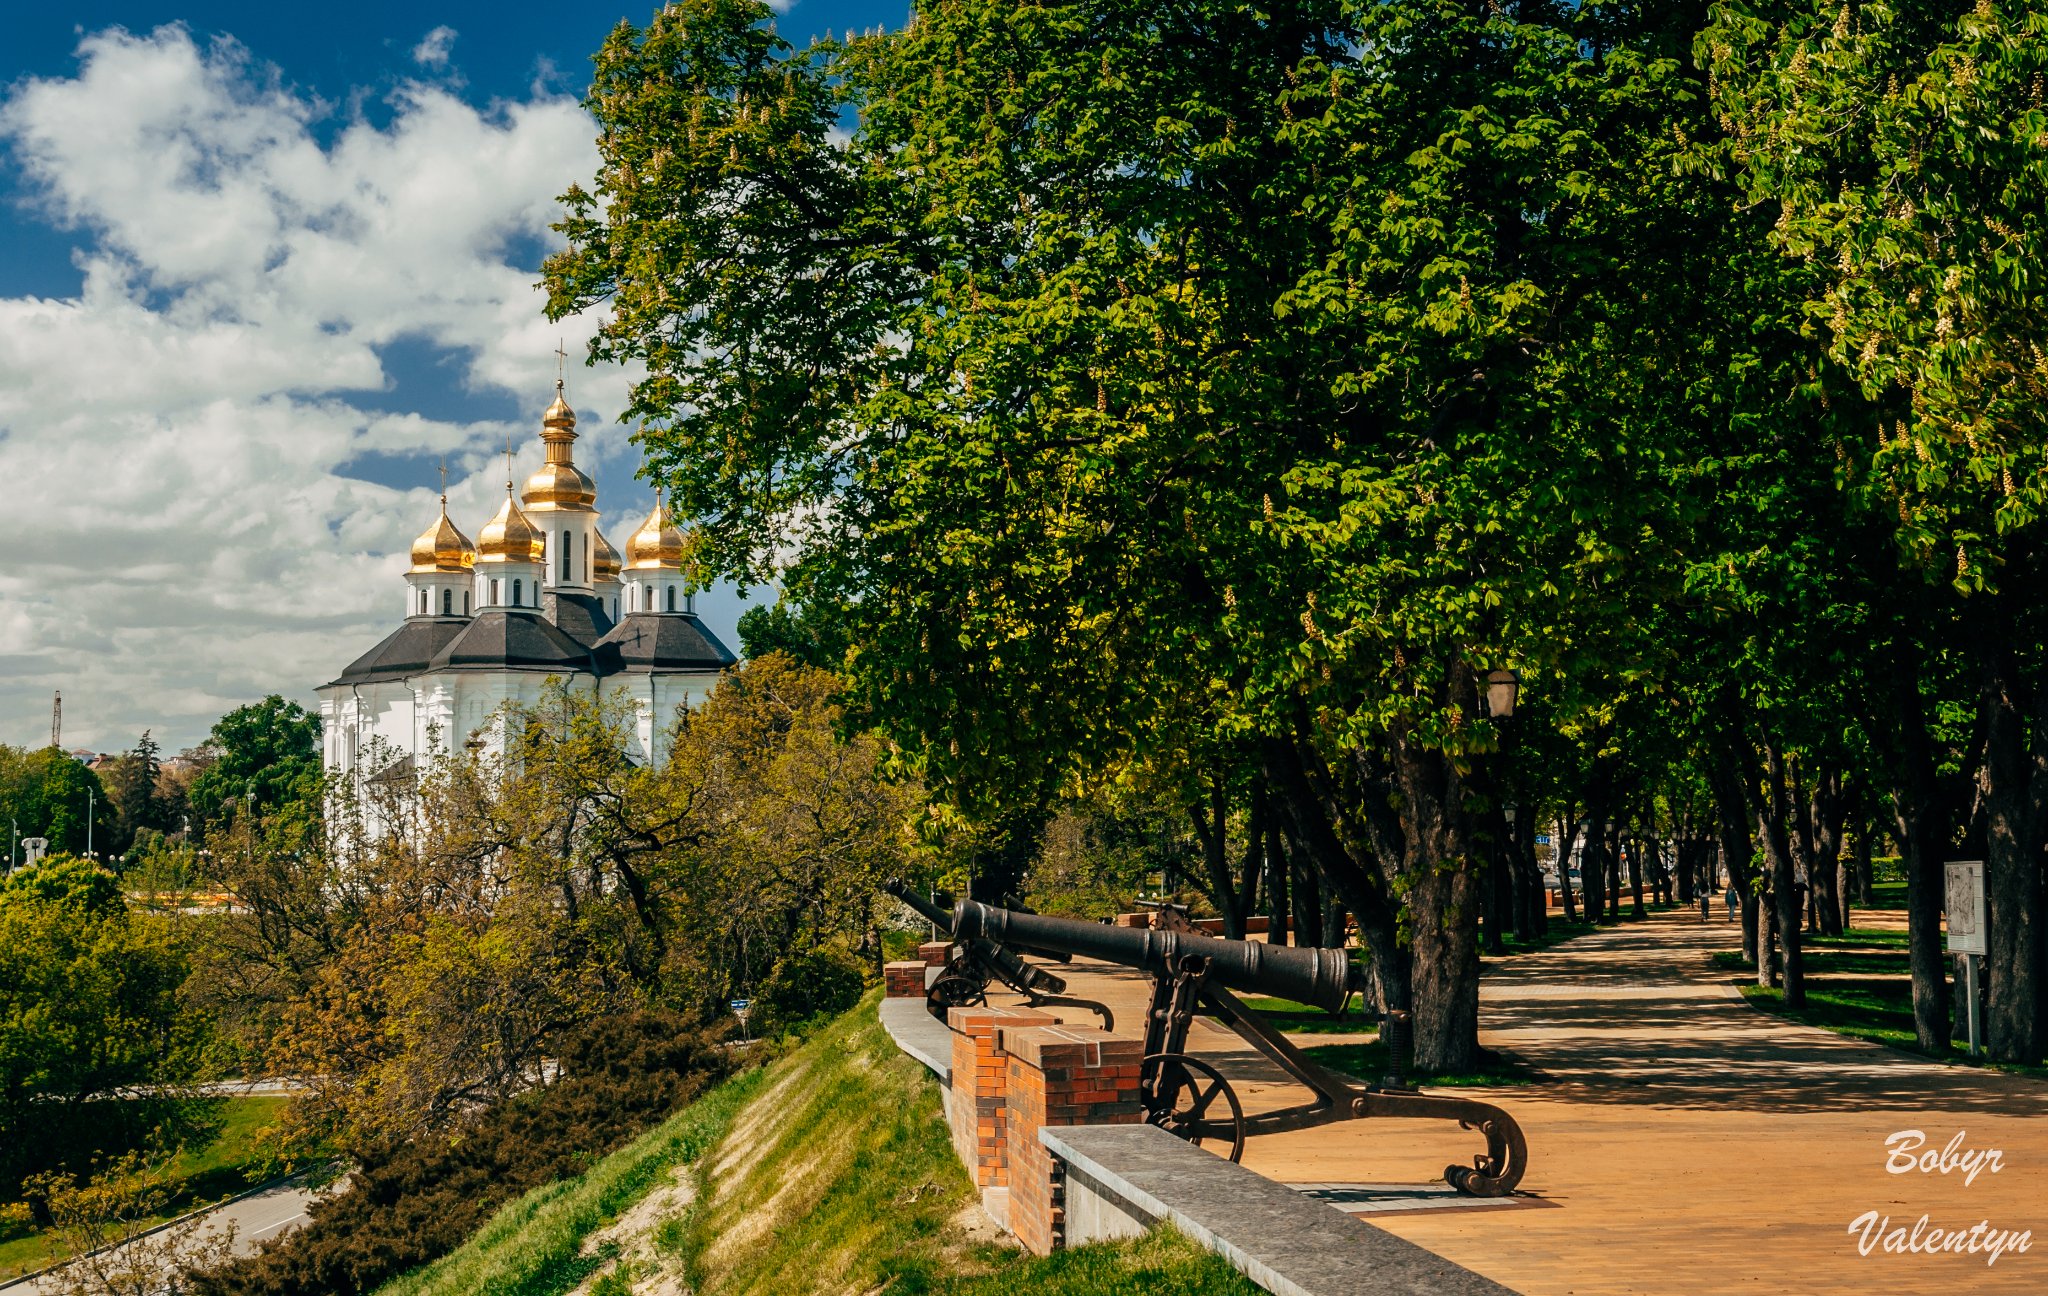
x=1498 y=693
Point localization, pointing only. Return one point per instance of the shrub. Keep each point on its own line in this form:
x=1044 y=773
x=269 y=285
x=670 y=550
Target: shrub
x=806 y=986
x=410 y=1203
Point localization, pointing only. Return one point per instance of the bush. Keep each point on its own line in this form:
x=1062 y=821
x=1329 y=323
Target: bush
x=411 y=1203
x=806 y=986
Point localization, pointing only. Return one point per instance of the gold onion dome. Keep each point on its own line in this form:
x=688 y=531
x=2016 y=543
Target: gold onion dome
x=442 y=548
x=509 y=537
x=559 y=483
x=605 y=563
x=656 y=543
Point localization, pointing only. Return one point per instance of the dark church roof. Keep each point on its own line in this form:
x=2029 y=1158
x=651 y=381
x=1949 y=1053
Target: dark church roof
x=408 y=650
x=651 y=643
x=500 y=640
x=582 y=616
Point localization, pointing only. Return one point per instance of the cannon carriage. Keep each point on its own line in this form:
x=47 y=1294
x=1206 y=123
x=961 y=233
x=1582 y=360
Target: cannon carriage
x=1191 y=972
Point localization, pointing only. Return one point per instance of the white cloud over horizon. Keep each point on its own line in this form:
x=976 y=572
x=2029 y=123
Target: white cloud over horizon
x=186 y=533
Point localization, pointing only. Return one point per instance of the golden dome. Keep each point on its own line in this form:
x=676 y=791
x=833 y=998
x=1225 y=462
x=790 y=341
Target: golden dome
x=605 y=564
x=442 y=548
x=656 y=543
x=509 y=537
x=559 y=484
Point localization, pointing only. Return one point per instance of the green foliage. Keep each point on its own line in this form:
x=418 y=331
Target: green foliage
x=45 y=793
x=89 y=1001
x=411 y=1202
x=270 y=748
x=801 y=632
x=534 y=1246
x=806 y=985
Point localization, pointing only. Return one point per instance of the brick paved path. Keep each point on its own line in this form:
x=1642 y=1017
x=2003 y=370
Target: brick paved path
x=1689 y=1144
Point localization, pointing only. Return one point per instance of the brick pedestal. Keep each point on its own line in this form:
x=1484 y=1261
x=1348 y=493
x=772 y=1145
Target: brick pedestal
x=903 y=980
x=976 y=1102
x=934 y=953
x=1059 y=1075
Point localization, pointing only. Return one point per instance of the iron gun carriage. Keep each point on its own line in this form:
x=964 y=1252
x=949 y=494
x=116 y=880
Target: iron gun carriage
x=1188 y=1097
x=977 y=960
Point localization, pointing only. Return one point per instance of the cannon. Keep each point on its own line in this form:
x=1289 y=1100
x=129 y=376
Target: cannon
x=978 y=960
x=1188 y=1097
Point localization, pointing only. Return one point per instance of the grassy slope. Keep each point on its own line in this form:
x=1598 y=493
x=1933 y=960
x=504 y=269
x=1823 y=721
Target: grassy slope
x=841 y=1178
x=828 y=1172
x=533 y=1244
x=218 y=1168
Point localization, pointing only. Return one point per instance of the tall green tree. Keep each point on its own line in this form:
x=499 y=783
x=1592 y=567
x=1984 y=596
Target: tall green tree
x=269 y=748
x=45 y=793
x=1257 y=365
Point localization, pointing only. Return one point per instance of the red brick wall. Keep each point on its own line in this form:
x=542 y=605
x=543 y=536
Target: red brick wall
x=1058 y=1075
x=903 y=980
x=977 y=1107
x=935 y=953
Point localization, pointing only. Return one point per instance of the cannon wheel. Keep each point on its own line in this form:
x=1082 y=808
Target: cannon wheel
x=955 y=990
x=1180 y=1092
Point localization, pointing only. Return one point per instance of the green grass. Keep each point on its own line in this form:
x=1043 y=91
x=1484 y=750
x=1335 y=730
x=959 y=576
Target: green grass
x=230 y=1159
x=1303 y=1019
x=842 y=1178
x=533 y=1245
x=829 y=1171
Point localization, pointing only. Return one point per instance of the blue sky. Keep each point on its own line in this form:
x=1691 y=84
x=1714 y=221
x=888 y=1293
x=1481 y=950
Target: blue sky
x=262 y=267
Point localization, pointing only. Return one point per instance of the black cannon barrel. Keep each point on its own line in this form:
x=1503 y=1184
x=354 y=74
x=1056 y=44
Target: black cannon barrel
x=1322 y=977
x=943 y=920
x=929 y=911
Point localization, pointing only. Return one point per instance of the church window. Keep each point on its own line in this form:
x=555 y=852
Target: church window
x=447 y=601
x=567 y=547
x=671 y=598
x=494 y=591
x=615 y=607
x=465 y=602
x=518 y=594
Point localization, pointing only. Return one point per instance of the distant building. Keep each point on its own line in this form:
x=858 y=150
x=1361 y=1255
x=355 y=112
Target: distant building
x=542 y=593
x=85 y=756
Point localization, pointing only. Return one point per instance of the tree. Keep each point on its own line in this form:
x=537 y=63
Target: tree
x=800 y=632
x=1902 y=148
x=132 y=788
x=270 y=747
x=89 y=1002
x=1125 y=361
x=45 y=793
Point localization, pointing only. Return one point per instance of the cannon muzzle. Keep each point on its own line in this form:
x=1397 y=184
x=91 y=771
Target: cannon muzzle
x=1319 y=977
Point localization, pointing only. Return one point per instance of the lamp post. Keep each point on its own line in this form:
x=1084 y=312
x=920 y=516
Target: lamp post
x=1498 y=693
x=88 y=822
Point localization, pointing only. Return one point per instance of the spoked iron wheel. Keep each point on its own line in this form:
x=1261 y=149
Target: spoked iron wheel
x=1181 y=1097
x=955 y=990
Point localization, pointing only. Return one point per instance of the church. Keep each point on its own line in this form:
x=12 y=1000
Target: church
x=540 y=594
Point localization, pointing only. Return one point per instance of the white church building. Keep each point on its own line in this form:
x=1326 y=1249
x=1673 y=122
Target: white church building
x=540 y=594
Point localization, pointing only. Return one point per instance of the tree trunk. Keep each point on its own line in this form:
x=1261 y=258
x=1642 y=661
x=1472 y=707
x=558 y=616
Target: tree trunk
x=2016 y=821
x=1635 y=877
x=1773 y=809
x=1568 y=840
x=1593 y=869
x=1536 y=903
x=1923 y=838
x=1443 y=884
x=1499 y=892
x=1726 y=775
x=1277 y=890
x=1212 y=829
x=1765 y=915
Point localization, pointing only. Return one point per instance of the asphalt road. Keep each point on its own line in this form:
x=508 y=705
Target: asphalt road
x=257 y=1218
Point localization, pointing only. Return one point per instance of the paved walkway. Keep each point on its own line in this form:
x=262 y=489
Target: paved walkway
x=1690 y=1144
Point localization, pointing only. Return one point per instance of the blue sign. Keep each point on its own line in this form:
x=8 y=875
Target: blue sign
x=740 y=1005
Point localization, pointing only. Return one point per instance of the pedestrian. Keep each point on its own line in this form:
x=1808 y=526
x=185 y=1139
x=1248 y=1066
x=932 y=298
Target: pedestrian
x=1731 y=902
x=1706 y=905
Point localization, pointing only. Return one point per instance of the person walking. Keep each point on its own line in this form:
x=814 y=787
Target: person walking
x=1731 y=902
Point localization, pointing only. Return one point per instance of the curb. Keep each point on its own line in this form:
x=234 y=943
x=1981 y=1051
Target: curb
x=268 y=1184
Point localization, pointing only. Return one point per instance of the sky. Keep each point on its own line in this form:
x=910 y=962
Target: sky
x=262 y=269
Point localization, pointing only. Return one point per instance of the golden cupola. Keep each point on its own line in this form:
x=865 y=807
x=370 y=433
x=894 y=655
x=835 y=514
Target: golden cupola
x=605 y=559
x=559 y=484
x=509 y=537
x=656 y=543
x=442 y=548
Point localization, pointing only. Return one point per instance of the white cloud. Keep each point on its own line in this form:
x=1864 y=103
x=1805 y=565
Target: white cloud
x=185 y=530
x=432 y=51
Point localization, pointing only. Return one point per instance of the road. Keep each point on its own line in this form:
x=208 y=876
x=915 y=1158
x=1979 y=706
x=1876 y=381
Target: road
x=257 y=1218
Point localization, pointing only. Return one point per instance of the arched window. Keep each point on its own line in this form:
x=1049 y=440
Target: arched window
x=518 y=594
x=494 y=591
x=447 y=602
x=615 y=607
x=567 y=546
x=465 y=602
x=671 y=598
